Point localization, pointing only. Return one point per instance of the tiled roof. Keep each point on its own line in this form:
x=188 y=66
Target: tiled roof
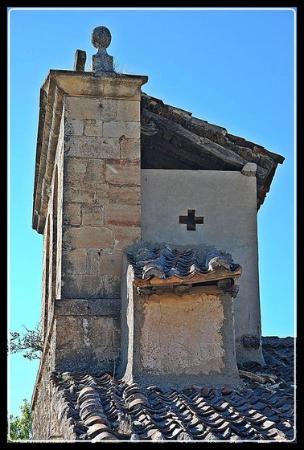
x=104 y=408
x=171 y=138
x=162 y=261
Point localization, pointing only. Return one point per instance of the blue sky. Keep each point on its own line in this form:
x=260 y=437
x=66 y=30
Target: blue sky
x=234 y=68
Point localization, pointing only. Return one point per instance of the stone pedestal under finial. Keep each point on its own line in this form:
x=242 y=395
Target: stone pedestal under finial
x=102 y=62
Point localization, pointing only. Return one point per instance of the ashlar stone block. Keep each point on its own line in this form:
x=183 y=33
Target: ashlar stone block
x=75 y=169
x=128 y=195
x=111 y=263
x=93 y=128
x=127 y=110
x=95 y=172
x=122 y=215
x=74 y=261
x=125 y=236
x=129 y=148
x=92 y=215
x=72 y=214
x=123 y=172
x=74 y=194
x=73 y=127
x=121 y=128
x=92 y=261
x=80 y=348
x=82 y=108
x=89 y=237
x=92 y=147
x=120 y=110
x=91 y=286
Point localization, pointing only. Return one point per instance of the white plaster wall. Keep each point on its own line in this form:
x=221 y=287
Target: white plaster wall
x=227 y=201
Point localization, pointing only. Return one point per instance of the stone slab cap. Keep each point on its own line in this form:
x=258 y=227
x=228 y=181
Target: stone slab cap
x=58 y=84
x=84 y=307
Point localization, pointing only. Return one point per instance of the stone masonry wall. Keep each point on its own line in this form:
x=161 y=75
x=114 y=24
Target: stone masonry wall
x=45 y=421
x=86 y=340
x=50 y=412
x=101 y=200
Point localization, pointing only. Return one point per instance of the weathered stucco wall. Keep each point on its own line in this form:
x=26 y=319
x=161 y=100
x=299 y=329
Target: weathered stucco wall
x=227 y=201
x=180 y=334
x=176 y=338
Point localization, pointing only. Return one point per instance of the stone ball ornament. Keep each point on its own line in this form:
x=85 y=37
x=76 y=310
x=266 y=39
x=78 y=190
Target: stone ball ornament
x=101 y=37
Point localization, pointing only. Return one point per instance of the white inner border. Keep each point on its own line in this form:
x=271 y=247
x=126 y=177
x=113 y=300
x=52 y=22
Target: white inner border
x=294 y=10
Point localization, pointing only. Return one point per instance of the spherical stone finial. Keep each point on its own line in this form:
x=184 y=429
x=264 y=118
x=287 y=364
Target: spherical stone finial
x=101 y=37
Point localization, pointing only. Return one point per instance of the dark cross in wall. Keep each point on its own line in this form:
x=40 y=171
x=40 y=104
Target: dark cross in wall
x=191 y=220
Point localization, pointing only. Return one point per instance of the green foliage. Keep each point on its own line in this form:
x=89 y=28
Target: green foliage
x=20 y=426
x=30 y=343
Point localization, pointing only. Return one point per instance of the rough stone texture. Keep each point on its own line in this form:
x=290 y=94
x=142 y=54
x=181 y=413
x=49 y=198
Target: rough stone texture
x=52 y=420
x=118 y=129
x=92 y=215
x=93 y=128
x=91 y=286
x=227 y=201
x=165 y=344
x=122 y=215
x=111 y=263
x=86 y=343
x=89 y=237
x=88 y=307
x=125 y=235
x=101 y=192
x=82 y=263
x=97 y=147
x=45 y=420
x=123 y=172
x=125 y=195
x=85 y=337
x=72 y=214
x=157 y=345
x=87 y=203
x=103 y=109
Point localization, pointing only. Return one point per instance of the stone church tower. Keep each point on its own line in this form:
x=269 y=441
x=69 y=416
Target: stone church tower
x=87 y=205
x=93 y=199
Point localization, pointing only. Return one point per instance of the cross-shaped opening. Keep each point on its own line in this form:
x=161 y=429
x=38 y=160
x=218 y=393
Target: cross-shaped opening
x=191 y=220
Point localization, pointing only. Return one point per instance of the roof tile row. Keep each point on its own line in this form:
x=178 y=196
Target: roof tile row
x=104 y=408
